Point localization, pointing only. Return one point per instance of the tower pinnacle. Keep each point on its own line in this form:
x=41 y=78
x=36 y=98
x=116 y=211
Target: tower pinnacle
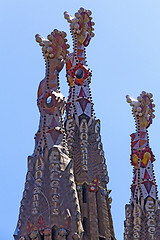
x=66 y=195
x=83 y=135
x=50 y=207
x=142 y=214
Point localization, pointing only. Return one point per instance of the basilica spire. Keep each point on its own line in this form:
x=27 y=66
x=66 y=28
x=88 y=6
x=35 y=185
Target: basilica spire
x=83 y=134
x=142 y=214
x=50 y=206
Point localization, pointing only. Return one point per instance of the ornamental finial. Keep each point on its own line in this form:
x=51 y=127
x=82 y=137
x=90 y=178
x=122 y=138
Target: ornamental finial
x=81 y=25
x=142 y=109
x=142 y=212
x=55 y=45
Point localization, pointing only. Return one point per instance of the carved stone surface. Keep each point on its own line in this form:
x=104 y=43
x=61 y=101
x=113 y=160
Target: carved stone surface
x=83 y=134
x=50 y=206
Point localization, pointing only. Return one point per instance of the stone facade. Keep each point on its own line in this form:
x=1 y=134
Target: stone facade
x=66 y=194
x=83 y=135
x=50 y=205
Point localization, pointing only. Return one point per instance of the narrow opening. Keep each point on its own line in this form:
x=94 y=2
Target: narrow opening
x=54 y=233
x=85 y=226
x=41 y=237
x=102 y=238
x=84 y=193
x=100 y=215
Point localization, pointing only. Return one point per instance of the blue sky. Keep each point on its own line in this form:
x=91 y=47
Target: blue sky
x=124 y=56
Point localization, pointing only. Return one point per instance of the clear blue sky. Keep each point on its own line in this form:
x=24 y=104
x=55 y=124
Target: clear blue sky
x=125 y=58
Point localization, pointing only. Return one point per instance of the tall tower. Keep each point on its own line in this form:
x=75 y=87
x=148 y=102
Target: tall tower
x=83 y=135
x=143 y=213
x=50 y=206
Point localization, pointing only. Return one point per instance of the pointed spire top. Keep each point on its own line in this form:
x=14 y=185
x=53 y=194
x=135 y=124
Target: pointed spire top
x=81 y=25
x=55 y=46
x=142 y=109
x=144 y=194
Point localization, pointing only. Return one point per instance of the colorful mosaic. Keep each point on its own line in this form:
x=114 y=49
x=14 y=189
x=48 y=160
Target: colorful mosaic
x=46 y=210
x=50 y=100
x=78 y=75
x=83 y=134
x=141 y=213
x=79 y=108
x=66 y=195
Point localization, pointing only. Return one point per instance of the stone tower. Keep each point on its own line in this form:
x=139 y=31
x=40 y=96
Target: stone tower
x=66 y=195
x=83 y=135
x=143 y=213
x=50 y=206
